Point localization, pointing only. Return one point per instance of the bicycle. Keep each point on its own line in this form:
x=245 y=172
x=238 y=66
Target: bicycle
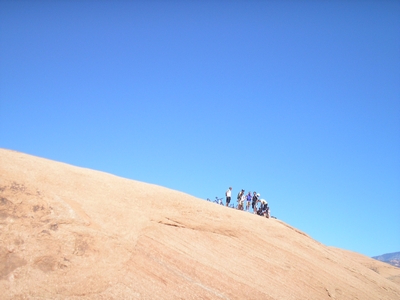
x=217 y=200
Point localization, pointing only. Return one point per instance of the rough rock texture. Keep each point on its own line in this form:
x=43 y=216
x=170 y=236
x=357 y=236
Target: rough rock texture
x=73 y=233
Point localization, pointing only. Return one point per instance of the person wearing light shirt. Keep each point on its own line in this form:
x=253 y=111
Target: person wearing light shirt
x=228 y=195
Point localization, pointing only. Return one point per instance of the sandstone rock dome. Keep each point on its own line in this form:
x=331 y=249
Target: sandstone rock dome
x=74 y=233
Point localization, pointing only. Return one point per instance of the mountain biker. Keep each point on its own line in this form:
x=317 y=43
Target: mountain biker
x=228 y=195
x=248 y=198
x=240 y=199
x=254 y=202
x=264 y=208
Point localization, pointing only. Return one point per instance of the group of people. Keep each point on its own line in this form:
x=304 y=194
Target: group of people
x=245 y=200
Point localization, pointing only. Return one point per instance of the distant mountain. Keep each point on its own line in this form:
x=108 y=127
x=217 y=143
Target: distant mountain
x=390 y=258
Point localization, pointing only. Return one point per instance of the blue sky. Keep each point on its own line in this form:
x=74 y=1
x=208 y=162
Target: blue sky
x=297 y=100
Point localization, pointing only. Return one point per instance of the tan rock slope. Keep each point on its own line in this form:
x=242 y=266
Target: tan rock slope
x=73 y=233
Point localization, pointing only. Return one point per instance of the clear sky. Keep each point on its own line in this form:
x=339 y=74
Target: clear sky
x=297 y=100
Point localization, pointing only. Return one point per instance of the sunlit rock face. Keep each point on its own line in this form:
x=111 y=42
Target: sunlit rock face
x=74 y=233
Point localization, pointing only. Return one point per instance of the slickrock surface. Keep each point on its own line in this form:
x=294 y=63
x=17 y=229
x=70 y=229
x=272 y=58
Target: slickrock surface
x=74 y=233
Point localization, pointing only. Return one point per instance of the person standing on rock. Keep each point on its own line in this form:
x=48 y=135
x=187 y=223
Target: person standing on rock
x=240 y=199
x=254 y=202
x=248 y=198
x=228 y=195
